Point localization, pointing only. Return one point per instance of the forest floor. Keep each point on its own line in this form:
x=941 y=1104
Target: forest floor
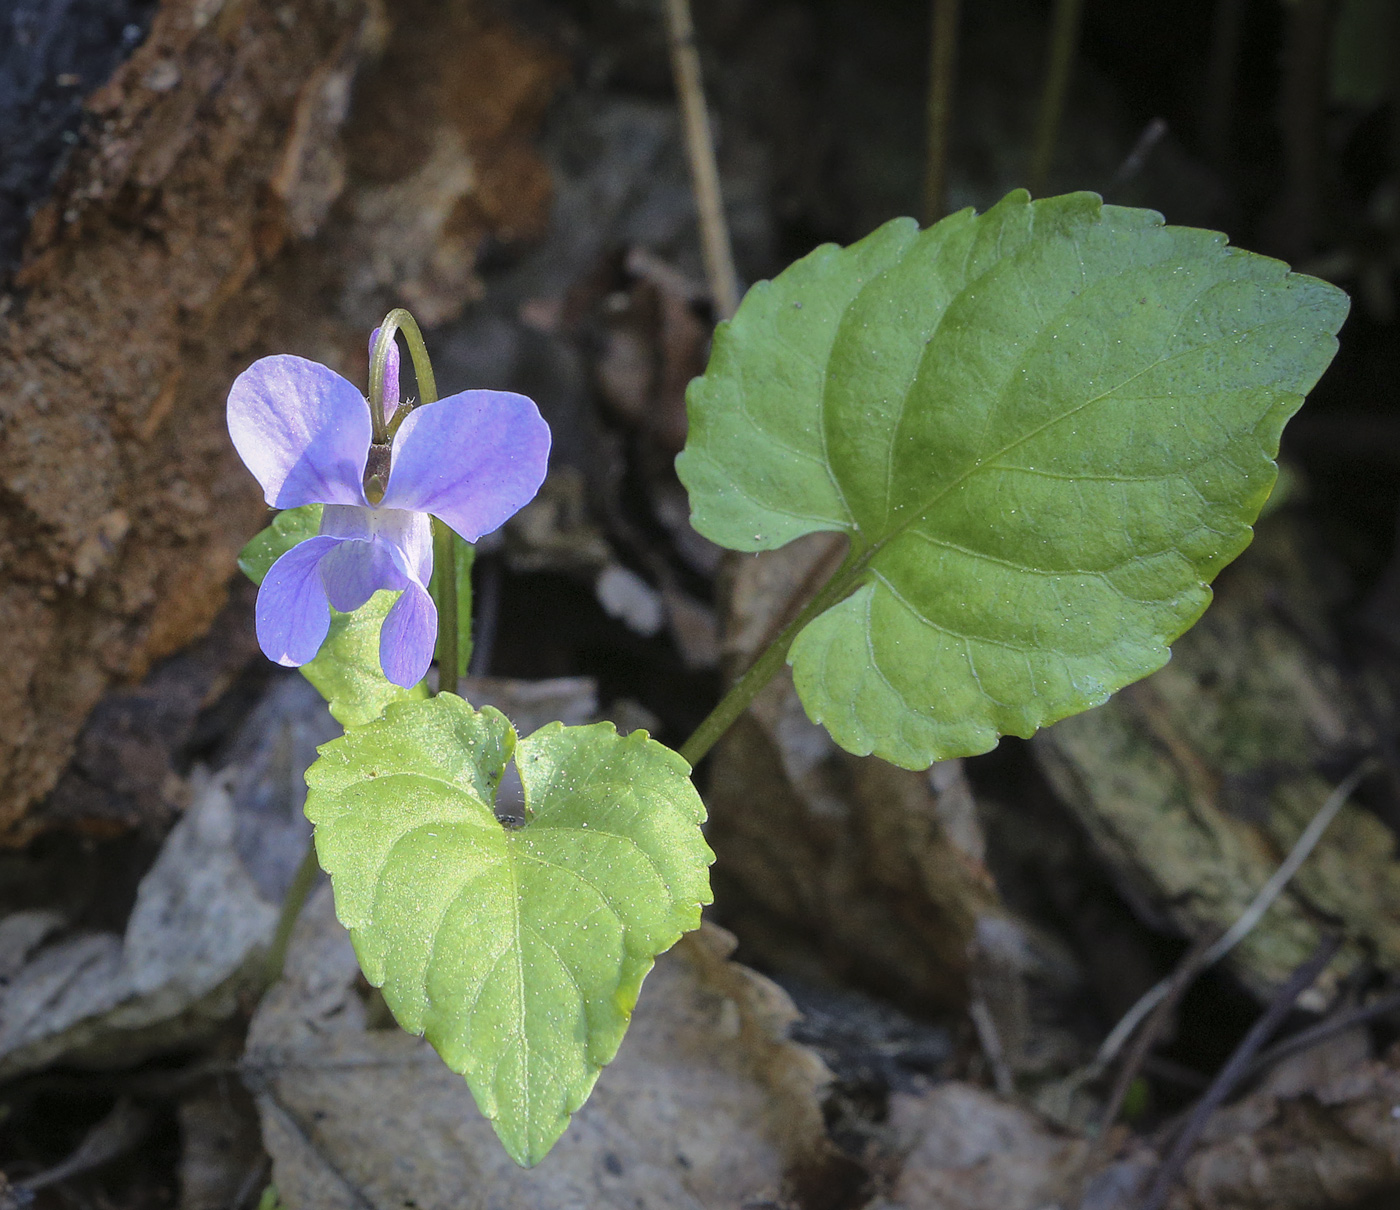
x=904 y=987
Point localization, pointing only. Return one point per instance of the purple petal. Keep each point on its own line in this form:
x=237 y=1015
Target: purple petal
x=302 y=430
x=354 y=571
x=408 y=637
x=391 y=373
x=385 y=549
x=351 y=521
x=411 y=534
x=292 y=613
x=472 y=459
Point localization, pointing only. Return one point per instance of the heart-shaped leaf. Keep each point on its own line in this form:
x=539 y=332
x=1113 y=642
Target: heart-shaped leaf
x=519 y=952
x=346 y=671
x=1045 y=429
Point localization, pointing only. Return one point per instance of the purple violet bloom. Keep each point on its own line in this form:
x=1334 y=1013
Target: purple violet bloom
x=472 y=460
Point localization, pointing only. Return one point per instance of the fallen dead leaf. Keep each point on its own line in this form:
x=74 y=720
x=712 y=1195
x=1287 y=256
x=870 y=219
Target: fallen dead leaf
x=1322 y=1133
x=965 y=1148
x=203 y=915
x=707 y=1104
x=221 y=1153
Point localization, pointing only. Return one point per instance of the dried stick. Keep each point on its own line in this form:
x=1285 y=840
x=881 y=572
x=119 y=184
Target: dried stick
x=1191 y=965
x=942 y=71
x=1251 y=916
x=116 y=1134
x=1336 y=1024
x=700 y=147
x=1064 y=38
x=990 y=1042
x=1234 y=1070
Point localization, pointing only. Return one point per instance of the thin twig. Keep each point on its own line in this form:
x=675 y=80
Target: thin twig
x=116 y=1134
x=990 y=1042
x=1234 y=1070
x=255 y=1179
x=1191 y=965
x=1300 y=852
x=1136 y=160
x=1338 y=1023
x=704 y=172
x=1251 y=916
x=1064 y=39
x=942 y=71
x=1302 y=104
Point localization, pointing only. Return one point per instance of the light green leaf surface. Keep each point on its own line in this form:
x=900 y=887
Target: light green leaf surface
x=346 y=671
x=289 y=527
x=518 y=952
x=1044 y=428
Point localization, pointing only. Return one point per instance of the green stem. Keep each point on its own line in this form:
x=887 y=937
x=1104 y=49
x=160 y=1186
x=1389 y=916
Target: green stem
x=292 y=903
x=399 y=320
x=378 y=359
x=445 y=579
x=843 y=581
x=466 y=559
x=941 y=72
x=1064 y=37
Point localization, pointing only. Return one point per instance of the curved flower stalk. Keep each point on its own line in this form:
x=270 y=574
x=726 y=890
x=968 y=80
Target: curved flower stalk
x=471 y=460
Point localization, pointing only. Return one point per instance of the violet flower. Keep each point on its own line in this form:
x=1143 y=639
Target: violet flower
x=472 y=460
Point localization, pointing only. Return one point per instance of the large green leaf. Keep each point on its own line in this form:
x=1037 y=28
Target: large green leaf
x=1045 y=429
x=346 y=670
x=519 y=952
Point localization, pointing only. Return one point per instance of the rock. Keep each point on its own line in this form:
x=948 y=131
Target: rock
x=1195 y=783
x=204 y=915
x=193 y=232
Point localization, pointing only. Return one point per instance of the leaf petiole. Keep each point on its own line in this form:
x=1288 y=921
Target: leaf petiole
x=844 y=580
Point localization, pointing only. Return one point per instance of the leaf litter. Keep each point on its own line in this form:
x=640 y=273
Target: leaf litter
x=706 y=1105
x=1318 y=1139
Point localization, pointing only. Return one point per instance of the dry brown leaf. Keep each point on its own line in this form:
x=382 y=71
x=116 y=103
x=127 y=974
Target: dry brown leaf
x=221 y=1155
x=965 y=1148
x=1322 y=1133
x=204 y=914
x=706 y=1105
